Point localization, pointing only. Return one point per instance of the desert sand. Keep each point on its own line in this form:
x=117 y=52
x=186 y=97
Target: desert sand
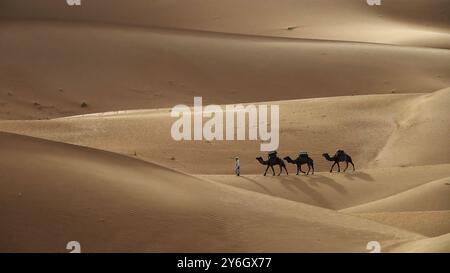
x=87 y=155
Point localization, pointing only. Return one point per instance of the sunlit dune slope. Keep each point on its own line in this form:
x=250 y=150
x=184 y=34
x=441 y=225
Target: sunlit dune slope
x=369 y=128
x=422 y=135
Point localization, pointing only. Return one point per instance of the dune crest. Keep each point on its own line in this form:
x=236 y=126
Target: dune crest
x=431 y=196
x=422 y=133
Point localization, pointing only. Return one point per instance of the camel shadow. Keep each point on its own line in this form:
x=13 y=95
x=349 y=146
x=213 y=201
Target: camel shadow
x=296 y=184
x=264 y=188
x=359 y=174
x=306 y=185
x=318 y=179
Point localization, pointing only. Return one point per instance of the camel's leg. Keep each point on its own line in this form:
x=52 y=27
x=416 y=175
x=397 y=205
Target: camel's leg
x=346 y=167
x=339 y=167
x=284 y=166
x=301 y=169
x=332 y=166
x=281 y=170
x=352 y=165
x=266 y=170
x=309 y=168
x=273 y=171
x=298 y=169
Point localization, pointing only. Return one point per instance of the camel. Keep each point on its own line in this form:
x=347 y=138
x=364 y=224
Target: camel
x=272 y=162
x=301 y=160
x=340 y=156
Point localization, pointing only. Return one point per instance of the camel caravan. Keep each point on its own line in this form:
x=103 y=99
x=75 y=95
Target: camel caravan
x=302 y=159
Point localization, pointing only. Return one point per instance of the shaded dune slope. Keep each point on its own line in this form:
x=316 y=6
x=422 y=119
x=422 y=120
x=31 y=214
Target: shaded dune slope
x=405 y=22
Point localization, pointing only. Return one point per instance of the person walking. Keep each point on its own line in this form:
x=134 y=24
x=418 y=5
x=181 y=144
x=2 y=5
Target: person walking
x=237 y=166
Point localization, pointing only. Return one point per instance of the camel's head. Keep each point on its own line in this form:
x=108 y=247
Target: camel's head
x=259 y=158
x=325 y=154
x=286 y=158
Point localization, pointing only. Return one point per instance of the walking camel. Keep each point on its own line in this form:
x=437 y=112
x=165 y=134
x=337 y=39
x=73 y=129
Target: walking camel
x=340 y=156
x=302 y=159
x=272 y=161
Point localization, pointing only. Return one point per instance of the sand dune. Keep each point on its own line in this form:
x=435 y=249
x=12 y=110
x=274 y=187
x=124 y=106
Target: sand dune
x=428 y=223
x=404 y=22
x=428 y=197
x=367 y=127
x=412 y=209
x=422 y=136
x=138 y=68
x=115 y=203
x=87 y=155
x=431 y=245
x=341 y=191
